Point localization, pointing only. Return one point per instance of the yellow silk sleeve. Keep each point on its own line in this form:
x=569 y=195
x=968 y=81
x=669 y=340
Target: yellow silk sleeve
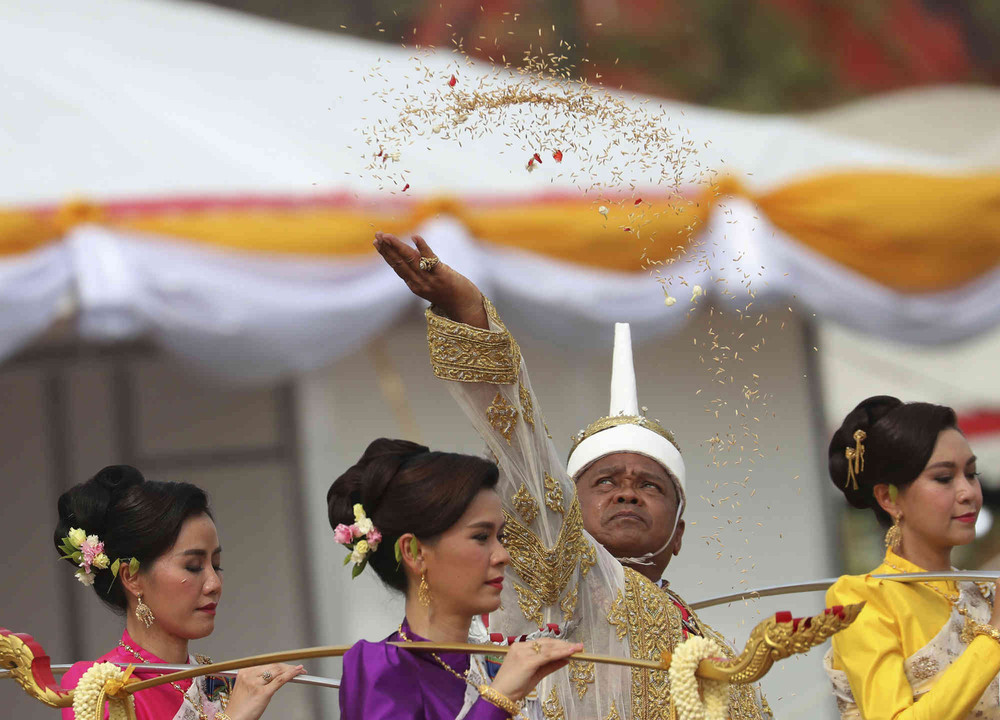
x=895 y=623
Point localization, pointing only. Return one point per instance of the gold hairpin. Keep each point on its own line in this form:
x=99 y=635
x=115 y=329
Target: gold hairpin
x=855 y=459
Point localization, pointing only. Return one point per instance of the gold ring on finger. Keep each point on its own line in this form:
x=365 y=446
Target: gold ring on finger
x=266 y=677
x=536 y=646
x=427 y=264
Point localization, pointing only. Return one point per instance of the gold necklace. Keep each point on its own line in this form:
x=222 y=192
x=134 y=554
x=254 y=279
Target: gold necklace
x=970 y=625
x=199 y=708
x=515 y=708
x=464 y=678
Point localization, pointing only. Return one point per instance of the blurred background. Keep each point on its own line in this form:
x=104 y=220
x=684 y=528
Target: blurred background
x=187 y=284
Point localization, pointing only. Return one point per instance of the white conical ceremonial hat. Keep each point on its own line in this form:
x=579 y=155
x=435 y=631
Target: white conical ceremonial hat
x=624 y=430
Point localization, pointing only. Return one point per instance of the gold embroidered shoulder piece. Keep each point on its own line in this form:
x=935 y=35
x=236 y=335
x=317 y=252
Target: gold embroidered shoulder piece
x=470 y=354
x=652 y=623
x=546 y=572
x=743 y=704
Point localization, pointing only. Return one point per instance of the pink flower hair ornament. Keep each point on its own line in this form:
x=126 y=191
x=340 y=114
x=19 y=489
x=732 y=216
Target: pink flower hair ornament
x=361 y=538
x=87 y=551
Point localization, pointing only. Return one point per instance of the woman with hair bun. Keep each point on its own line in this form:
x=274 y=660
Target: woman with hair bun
x=928 y=649
x=431 y=526
x=151 y=552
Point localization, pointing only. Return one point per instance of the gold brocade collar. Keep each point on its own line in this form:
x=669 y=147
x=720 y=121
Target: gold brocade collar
x=893 y=563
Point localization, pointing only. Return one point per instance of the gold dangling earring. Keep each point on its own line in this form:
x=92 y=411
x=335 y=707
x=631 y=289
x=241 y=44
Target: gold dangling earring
x=424 y=591
x=144 y=614
x=894 y=535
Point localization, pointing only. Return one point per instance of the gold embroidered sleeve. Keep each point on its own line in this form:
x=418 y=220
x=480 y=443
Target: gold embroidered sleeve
x=470 y=354
x=644 y=614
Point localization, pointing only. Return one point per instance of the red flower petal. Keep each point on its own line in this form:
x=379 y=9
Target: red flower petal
x=628 y=229
x=406 y=187
x=537 y=158
x=531 y=161
x=557 y=155
x=453 y=82
x=638 y=200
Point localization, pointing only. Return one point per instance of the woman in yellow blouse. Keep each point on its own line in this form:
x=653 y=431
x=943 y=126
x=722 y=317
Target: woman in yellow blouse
x=927 y=650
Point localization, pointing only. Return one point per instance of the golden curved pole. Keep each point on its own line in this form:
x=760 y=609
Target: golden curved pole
x=773 y=639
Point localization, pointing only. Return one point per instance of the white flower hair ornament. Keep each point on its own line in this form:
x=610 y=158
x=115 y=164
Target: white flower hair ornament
x=361 y=538
x=87 y=551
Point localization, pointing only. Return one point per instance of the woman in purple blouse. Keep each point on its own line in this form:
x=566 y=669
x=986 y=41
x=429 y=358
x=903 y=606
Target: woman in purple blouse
x=431 y=526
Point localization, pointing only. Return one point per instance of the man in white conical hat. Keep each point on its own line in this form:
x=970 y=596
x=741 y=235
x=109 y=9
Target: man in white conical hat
x=588 y=540
x=629 y=475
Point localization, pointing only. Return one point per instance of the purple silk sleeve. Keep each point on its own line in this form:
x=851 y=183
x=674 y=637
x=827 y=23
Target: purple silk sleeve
x=383 y=682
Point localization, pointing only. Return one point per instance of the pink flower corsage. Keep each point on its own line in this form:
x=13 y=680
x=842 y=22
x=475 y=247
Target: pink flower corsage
x=361 y=538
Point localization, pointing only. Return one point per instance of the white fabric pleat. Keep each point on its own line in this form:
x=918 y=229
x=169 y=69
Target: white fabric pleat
x=255 y=317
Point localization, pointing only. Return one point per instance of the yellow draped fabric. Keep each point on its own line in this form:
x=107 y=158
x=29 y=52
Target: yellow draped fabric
x=911 y=233
x=897 y=621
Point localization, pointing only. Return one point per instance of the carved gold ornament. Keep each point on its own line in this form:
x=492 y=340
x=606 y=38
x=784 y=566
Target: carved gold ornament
x=502 y=416
x=552 y=708
x=530 y=604
x=525 y=505
x=581 y=674
x=568 y=603
x=527 y=409
x=553 y=494
x=777 y=638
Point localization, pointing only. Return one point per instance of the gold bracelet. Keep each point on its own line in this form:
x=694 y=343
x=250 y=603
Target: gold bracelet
x=499 y=699
x=986 y=629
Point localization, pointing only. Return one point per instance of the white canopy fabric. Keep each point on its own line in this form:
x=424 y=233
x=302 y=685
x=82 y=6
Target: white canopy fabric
x=150 y=99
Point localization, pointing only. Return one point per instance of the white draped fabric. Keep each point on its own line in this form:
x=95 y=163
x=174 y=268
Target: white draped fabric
x=254 y=317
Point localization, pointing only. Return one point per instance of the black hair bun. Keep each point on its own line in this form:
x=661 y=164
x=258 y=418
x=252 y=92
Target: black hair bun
x=863 y=417
x=118 y=478
x=86 y=505
x=366 y=480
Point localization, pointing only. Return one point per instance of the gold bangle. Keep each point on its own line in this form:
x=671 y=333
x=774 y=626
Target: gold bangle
x=987 y=629
x=497 y=698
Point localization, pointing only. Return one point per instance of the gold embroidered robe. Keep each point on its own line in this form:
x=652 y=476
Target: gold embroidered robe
x=560 y=574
